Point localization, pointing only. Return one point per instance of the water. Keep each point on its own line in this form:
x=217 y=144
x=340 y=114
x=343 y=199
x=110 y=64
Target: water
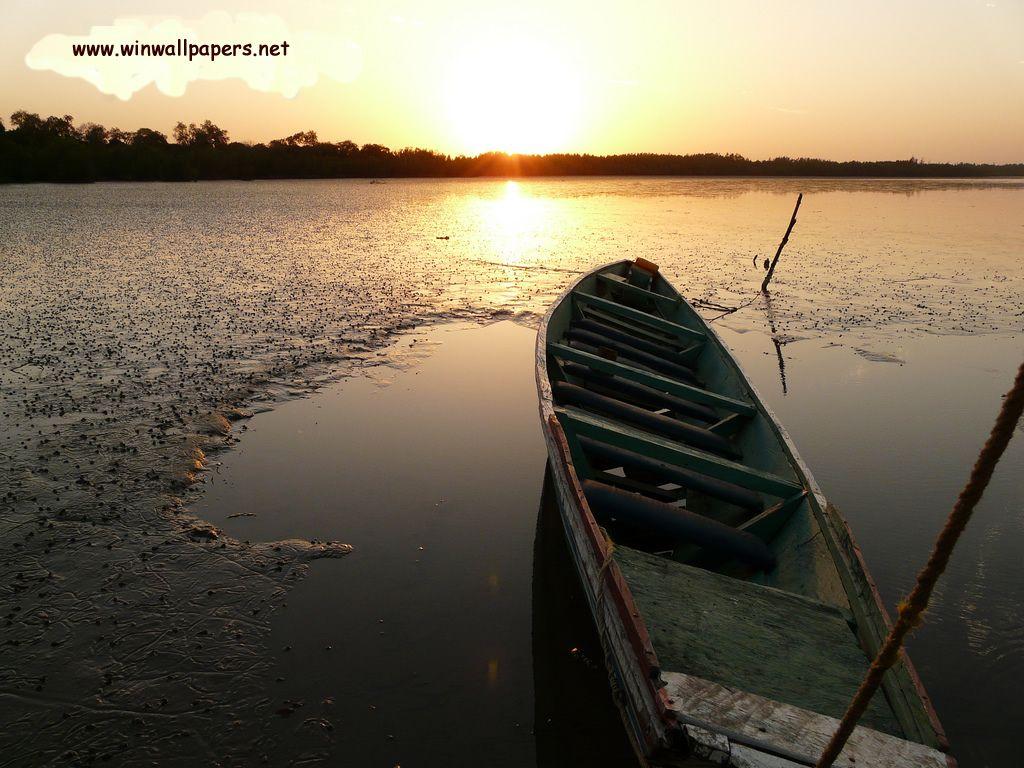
x=421 y=640
x=140 y=319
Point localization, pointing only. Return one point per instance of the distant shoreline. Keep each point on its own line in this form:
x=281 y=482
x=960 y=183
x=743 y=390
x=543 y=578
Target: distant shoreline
x=54 y=150
x=538 y=177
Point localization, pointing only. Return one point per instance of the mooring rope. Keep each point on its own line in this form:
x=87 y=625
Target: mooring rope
x=911 y=609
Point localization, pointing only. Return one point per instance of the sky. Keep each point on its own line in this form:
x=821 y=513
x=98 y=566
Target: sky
x=940 y=80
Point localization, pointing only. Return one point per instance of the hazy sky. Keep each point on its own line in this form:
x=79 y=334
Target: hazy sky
x=942 y=80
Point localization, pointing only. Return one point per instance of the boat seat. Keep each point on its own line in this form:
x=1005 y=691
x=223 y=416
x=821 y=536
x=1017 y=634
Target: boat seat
x=644 y=345
x=642 y=395
x=629 y=290
x=698 y=437
x=626 y=352
x=751 y=637
x=613 y=356
x=719 y=489
x=632 y=327
x=594 y=359
x=638 y=317
x=674 y=525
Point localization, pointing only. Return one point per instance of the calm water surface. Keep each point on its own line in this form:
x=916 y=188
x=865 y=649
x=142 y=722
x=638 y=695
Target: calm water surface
x=139 y=320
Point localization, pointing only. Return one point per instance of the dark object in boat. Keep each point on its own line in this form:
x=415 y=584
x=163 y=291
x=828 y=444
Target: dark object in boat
x=667 y=473
x=674 y=525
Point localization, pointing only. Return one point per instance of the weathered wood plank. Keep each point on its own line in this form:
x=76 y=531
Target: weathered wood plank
x=650 y=379
x=786 y=647
x=756 y=718
x=637 y=316
x=580 y=422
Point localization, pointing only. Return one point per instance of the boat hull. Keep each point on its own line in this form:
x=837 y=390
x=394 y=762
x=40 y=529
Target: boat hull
x=659 y=732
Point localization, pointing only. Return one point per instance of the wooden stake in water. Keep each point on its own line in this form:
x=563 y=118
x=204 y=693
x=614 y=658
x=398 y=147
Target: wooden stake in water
x=785 y=239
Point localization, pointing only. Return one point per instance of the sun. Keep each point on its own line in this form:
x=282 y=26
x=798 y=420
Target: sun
x=513 y=96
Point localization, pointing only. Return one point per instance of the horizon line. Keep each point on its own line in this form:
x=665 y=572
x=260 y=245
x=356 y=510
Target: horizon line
x=516 y=154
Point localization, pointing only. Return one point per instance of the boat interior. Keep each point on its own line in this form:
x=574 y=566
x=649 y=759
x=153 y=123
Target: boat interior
x=714 y=526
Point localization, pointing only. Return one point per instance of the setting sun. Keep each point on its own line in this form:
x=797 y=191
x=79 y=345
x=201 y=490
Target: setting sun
x=513 y=96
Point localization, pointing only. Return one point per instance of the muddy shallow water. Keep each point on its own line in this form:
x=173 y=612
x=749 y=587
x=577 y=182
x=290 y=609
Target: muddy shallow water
x=421 y=638
x=140 y=322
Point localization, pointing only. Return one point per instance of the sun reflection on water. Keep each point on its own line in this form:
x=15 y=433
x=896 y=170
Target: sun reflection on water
x=516 y=222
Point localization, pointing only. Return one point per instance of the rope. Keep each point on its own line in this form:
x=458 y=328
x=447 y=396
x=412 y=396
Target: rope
x=911 y=609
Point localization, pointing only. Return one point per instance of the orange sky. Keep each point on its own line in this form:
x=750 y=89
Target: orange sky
x=941 y=80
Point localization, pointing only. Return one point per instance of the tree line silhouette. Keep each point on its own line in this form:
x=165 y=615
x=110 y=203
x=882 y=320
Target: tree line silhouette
x=54 y=149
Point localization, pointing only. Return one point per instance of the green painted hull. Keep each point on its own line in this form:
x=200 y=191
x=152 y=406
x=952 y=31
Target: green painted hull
x=710 y=558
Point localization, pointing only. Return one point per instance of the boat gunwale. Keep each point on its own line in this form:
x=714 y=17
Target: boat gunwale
x=632 y=622
x=832 y=523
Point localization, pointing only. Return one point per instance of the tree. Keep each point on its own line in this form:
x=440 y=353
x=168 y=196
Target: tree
x=213 y=135
x=117 y=136
x=147 y=137
x=206 y=135
x=181 y=134
x=302 y=138
x=27 y=122
x=92 y=133
x=62 y=127
x=374 y=150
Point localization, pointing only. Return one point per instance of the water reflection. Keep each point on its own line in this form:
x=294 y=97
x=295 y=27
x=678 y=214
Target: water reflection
x=515 y=220
x=575 y=720
x=776 y=342
x=420 y=638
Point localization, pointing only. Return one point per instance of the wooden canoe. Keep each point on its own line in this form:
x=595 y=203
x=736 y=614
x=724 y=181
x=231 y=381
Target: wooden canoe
x=734 y=608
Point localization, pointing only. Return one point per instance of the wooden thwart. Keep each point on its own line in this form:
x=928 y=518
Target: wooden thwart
x=641 y=293
x=637 y=316
x=657 y=381
x=579 y=422
x=588 y=312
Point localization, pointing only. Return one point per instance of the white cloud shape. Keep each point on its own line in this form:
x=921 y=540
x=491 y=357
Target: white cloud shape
x=310 y=54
